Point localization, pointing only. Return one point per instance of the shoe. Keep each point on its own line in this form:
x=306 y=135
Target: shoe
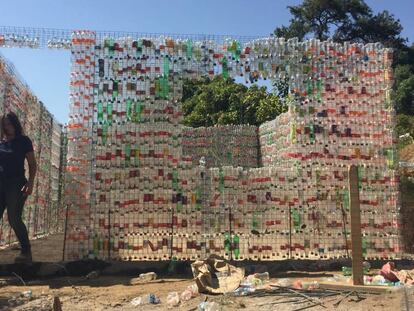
x=24 y=258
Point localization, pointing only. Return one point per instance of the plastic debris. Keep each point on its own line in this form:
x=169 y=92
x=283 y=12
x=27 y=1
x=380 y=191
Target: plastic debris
x=147 y=299
x=173 y=300
x=144 y=278
x=93 y=275
x=190 y=292
x=209 y=306
x=27 y=294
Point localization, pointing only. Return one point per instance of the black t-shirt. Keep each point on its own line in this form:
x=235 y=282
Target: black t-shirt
x=12 y=155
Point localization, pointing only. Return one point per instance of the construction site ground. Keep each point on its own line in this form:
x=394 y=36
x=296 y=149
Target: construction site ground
x=114 y=292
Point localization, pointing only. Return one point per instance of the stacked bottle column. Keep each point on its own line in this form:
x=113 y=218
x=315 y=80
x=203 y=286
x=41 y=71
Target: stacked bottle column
x=43 y=175
x=136 y=134
x=32 y=130
x=55 y=222
x=79 y=134
x=62 y=215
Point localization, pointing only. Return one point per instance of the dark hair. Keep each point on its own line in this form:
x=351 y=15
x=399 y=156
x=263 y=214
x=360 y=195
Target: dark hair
x=14 y=120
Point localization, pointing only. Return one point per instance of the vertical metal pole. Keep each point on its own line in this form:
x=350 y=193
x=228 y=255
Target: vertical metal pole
x=356 y=236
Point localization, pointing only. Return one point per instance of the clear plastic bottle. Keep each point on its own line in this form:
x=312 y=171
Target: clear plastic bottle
x=173 y=300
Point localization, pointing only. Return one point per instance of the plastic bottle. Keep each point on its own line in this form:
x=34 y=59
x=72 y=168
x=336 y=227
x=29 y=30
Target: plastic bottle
x=186 y=295
x=100 y=112
x=146 y=277
x=209 y=306
x=264 y=277
x=189 y=50
x=173 y=300
x=346 y=271
x=236 y=246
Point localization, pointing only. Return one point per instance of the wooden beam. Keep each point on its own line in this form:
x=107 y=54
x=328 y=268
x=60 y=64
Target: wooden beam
x=356 y=235
x=356 y=288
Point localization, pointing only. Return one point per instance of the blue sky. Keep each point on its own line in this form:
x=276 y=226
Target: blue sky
x=47 y=71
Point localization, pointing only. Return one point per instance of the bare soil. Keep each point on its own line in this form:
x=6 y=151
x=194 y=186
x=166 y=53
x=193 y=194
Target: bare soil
x=115 y=292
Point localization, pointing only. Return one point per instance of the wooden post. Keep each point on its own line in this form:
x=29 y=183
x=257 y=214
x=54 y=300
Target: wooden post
x=356 y=235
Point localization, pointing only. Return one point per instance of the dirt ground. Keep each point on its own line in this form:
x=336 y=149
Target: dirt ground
x=114 y=292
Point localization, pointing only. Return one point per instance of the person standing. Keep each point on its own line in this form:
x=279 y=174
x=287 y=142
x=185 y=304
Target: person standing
x=15 y=148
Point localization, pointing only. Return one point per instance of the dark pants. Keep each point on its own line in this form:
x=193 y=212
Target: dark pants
x=12 y=198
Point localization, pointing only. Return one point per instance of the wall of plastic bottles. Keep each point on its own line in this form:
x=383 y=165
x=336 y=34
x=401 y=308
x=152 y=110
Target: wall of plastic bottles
x=140 y=186
x=43 y=210
x=235 y=145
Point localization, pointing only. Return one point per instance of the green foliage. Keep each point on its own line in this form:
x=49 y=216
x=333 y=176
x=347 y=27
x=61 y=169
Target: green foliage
x=404 y=96
x=404 y=125
x=221 y=101
x=342 y=20
x=404 y=80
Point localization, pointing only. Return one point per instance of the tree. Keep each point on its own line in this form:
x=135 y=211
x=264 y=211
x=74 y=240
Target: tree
x=221 y=101
x=404 y=81
x=342 y=20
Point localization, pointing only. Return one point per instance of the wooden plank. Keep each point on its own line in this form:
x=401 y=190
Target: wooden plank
x=356 y=235
x=357 y=288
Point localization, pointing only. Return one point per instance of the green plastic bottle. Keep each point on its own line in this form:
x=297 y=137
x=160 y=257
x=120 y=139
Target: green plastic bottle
x=136 y=157
x=360 y=171
x=235 y=49
x=179 y=206
x=229 y=157
x=227 y=242
x=255 y=223
x=236 y=246
x=111 y=46
x=319 y=89
x=189 y=51
x=139 y=48
x=157 y=88
x=261 y=66
x=129 y=109
x=109 y=113
x=312 y=133
x=309 y=87
x=390 y=157
x=115 y=89
x=345 y=201
x=296 y=218
x=175 y=180
x=104 y=133
x=100 y=112
x=225 y=67
x=166 y=66
x=164 y=87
